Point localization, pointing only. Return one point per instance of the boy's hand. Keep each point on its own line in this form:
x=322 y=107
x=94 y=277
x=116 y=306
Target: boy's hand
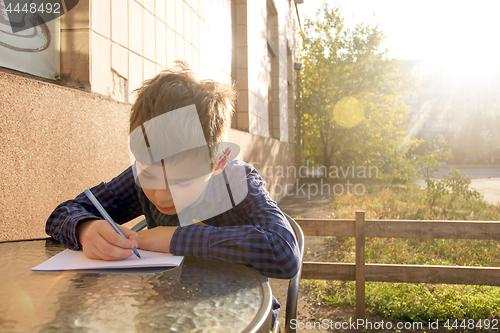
x=156 y=239
x=100 y=241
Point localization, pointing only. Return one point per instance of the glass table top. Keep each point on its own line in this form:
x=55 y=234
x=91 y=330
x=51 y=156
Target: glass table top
x=199 y=296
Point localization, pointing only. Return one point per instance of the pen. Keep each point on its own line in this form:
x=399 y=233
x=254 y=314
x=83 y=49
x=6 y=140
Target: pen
x=106 y=216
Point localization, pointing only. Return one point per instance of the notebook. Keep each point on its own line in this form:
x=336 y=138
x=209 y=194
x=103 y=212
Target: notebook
x=76 y=260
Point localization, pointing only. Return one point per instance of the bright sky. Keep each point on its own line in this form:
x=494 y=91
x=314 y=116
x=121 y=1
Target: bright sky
x=447 y=33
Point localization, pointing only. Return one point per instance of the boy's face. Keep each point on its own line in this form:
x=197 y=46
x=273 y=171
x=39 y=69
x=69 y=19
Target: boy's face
x=172 y=187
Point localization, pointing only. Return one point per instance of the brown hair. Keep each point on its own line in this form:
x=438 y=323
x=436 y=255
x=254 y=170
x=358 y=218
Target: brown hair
x=178 y=87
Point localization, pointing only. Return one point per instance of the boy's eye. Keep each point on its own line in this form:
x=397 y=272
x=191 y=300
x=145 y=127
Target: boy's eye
x=184 y=184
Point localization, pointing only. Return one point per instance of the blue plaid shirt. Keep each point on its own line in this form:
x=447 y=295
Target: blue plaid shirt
x=254 y=232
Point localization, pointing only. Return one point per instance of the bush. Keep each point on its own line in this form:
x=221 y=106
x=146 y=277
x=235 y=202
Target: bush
x=453 y=186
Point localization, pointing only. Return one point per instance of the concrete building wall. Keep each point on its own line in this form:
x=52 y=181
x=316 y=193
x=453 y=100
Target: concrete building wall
x=259 y=68
x=272 y=159
x=56 y=142
x=111 y=46
x=60 y=137
x=258 y=74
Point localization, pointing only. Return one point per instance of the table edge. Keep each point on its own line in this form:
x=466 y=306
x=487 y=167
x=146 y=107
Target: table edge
x=264 y=314
x=261 y=318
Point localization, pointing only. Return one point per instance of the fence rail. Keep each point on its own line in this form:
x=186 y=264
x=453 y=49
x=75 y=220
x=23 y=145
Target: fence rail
x=361 y=272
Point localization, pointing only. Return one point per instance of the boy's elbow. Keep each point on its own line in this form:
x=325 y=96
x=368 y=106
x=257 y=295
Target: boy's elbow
x=288 y=267
x=291 y=268
x=290 y=264
x=283 y=260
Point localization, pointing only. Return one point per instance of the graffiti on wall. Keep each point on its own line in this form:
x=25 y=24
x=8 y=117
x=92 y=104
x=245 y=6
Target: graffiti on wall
x=29 y=35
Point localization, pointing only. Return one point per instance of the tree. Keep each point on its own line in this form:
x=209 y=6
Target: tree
x=350 y=108
x=471 y=142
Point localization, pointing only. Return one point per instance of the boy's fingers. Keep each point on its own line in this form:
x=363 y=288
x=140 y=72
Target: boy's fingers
x=108 y=251
x=89 y=253
x=132 y=235
x=100 y=241
x=92 y=252
x=114 y=238
x=135 y=239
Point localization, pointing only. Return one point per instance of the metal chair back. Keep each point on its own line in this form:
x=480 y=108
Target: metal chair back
x=293 y=285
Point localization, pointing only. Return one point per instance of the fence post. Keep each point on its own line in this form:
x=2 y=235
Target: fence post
x=360 y=264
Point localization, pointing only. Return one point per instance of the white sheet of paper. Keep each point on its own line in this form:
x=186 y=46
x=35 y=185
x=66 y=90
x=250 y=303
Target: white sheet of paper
x=73 y=260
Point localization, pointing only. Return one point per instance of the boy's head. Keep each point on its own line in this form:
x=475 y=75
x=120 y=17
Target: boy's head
x=176 y=124
x=177 y=88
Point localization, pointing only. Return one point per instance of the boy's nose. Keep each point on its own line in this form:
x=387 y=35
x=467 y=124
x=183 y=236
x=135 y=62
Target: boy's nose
x=163 y=196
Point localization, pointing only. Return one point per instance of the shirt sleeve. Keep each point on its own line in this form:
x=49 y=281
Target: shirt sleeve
x=265 y=241
x=118 y=197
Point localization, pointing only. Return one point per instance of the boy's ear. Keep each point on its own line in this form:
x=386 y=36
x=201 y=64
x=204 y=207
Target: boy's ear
x=220 y=166
x=222 y=162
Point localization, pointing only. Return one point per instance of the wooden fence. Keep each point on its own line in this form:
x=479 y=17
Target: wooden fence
x=361 y=272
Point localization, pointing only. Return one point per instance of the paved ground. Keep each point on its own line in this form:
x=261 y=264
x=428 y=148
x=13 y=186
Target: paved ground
x=489 y=188
x=473 y=173
x=484 y=180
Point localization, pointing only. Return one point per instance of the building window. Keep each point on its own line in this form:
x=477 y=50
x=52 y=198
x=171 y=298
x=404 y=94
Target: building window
x=273 y=87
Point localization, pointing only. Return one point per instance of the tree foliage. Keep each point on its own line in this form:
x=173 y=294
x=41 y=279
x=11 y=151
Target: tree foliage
x=477 y=139
x=340 y=63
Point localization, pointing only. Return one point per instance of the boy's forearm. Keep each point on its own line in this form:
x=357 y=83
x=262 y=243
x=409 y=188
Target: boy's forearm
x=156 y=239
x=62 y=226
x=273 y=253
x=118 y=197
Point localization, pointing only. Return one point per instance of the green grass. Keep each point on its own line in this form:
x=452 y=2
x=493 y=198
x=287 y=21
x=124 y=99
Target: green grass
x=414 y=302
x=461 y=252
x=409 y=202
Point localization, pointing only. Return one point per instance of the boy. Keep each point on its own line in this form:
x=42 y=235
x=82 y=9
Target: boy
x=183 y=171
